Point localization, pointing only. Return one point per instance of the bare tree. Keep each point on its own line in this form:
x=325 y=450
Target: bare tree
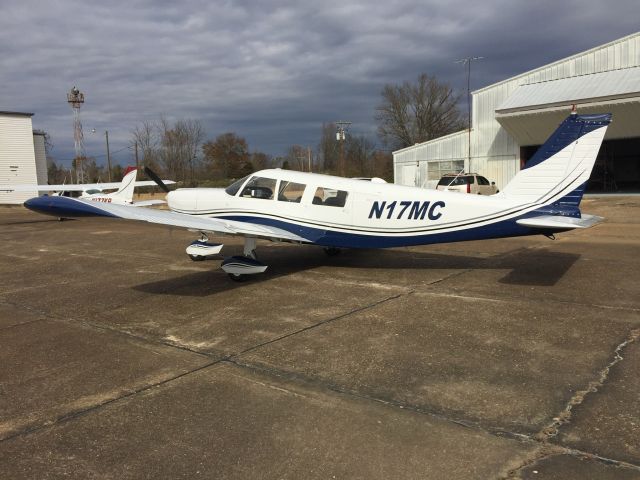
x=146 y=136
x=297 y=157
x=260 y=160
x=359 y=153
x=414 y=113
x=328 y=150
x=190 y=133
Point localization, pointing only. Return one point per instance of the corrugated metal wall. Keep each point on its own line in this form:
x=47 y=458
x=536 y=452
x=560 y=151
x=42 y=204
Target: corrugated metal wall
x=495 y=154
x=17 y=156
x=41 y=158
x=451 y=147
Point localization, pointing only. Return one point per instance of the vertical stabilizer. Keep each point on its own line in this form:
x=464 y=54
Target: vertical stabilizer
x=559 y=170
x=125 y=192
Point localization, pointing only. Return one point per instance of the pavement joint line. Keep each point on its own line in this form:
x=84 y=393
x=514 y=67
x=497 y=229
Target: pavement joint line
x=549 y=448
x=9 y=327
x=81 y=412
x=448 y=277
x=553 y=429
x=510 y=298
x=332 y=387
x=319 y=324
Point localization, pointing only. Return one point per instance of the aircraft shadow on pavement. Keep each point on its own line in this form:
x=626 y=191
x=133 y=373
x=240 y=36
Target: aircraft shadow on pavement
x=525 y=267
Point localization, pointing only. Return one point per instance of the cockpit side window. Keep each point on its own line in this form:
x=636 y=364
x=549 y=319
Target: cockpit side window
x=291 y=191
x=259 y=187
x=235 y=186
x=330 y=197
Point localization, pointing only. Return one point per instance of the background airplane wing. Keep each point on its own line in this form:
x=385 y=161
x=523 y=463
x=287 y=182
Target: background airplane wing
x=49 y=188
x=75 y=207
x=77 y=187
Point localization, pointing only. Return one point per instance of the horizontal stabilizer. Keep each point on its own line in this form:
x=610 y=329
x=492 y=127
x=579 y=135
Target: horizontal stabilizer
x=557 y=222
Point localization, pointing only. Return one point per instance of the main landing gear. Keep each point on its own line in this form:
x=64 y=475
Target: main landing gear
x=238 y=267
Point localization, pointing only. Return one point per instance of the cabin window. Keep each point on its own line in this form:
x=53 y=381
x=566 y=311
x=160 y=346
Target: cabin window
x=259 y=187
x=235 y=186
x=330 y=197
x=291 y=191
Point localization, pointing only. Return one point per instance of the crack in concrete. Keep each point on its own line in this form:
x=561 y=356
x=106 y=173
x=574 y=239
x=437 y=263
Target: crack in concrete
x=552 y=430
x=548 y=450
x=80 y=412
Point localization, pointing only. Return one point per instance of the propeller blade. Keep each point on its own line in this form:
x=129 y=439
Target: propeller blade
x=153 y=176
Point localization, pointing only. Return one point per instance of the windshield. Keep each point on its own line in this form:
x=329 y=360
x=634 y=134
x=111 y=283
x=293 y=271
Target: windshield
x=235 y=186
x=452 y=181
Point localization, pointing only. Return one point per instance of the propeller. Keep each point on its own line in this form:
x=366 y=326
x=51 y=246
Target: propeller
x=153 y=176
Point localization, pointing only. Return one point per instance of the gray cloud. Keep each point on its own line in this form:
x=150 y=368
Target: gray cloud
x=271 y=71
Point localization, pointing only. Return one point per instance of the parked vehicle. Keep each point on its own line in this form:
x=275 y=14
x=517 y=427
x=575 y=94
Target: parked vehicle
x=467 y=183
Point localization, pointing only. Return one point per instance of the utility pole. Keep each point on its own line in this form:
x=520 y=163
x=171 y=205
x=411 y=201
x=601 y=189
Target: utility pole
x=136 y=152
x=467 y=61
x=341 y=136
x=309 y=155
x=106 y=136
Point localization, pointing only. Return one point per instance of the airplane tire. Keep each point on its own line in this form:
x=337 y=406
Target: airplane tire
x=197 y=258
x=332 y=251
x=238 y=277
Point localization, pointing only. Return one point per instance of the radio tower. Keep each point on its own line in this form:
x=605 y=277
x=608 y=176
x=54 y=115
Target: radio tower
x=75 y=98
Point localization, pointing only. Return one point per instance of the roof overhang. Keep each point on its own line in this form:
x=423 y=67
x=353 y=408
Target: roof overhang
x=533 y=127
x=20 y=114
x=534 y=110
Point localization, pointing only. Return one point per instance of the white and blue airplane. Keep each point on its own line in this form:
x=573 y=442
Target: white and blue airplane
x=335 y=212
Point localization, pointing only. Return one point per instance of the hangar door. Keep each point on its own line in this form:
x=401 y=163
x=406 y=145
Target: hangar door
x=617 y=167
x=407 y=174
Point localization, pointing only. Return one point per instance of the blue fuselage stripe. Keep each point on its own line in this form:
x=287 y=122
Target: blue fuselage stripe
x=332 y=238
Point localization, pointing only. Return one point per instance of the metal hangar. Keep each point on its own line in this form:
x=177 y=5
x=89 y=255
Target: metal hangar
x=512 y=118
x=22 y=156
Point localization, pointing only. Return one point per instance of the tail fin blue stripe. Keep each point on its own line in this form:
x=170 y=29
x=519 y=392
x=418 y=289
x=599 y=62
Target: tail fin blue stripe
x=570 y=130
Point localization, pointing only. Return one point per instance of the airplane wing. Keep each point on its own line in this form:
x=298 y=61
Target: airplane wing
x=148 y=203
x=77 y=187
x=556 y=222
x=76 y=207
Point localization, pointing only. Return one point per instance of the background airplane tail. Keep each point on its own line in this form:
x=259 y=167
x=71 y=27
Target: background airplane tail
x=125 y=192
x=559 y=170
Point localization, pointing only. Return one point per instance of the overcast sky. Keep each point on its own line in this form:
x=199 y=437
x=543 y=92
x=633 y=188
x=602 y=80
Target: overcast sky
x=271 y=71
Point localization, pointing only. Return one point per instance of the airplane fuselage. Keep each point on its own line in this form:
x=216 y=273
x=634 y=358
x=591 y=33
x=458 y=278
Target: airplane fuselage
x=365 y=215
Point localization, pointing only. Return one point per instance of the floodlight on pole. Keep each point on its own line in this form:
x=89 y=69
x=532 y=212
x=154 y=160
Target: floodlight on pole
x=75 y=98
x=467 y=61
x=341 y=136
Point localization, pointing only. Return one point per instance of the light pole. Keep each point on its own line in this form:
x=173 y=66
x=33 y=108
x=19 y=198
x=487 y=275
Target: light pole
x=106 y=137
x=467 y=61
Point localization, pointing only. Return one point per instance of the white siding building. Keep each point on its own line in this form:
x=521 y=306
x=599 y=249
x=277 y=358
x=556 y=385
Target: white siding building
x=22 y=156
x=512 y=118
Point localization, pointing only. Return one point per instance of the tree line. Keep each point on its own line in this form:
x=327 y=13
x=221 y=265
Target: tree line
x=407 y=114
